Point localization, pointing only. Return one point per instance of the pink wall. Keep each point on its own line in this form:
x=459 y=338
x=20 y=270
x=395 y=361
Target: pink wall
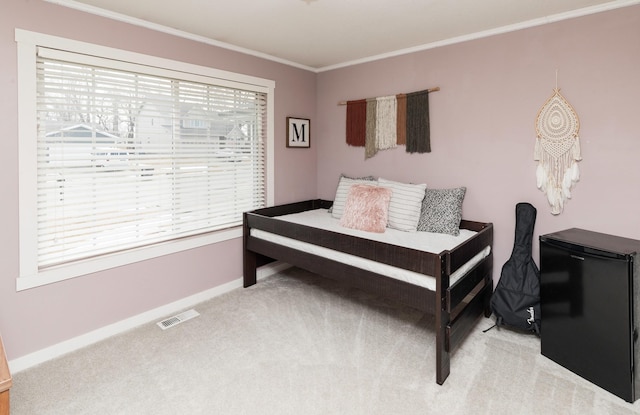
x=482 y=122
x=34 y=319
x=482 y=138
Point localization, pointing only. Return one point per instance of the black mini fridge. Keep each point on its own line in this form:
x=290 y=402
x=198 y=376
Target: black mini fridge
x=589 y=307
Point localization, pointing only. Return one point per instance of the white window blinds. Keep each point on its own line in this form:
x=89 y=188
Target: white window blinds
x=129 y=156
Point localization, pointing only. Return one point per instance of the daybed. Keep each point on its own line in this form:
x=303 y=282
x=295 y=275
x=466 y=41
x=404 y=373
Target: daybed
x=456 y=306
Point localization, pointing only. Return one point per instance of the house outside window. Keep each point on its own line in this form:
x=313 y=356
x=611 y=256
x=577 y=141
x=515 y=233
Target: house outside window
x=125 y=157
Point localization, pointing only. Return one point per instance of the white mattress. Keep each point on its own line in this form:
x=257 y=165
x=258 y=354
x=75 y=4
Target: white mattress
x=425 y=241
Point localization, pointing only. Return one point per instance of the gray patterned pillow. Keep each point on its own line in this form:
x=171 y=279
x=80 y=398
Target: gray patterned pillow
x=442 y=211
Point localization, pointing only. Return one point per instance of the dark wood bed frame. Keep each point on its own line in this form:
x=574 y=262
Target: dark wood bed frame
x=456 y=307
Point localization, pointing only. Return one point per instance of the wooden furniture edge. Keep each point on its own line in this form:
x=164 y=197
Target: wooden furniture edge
x=5 y=381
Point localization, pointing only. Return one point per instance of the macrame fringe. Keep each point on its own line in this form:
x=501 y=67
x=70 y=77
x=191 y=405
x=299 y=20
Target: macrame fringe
x=557 y=150
x=386 y=120
x=356 y=122
x=418 y=132
x=556 y=176
x=370 y=149
x=401 y=130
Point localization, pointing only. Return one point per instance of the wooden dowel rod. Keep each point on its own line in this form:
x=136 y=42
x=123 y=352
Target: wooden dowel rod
x=428 y=90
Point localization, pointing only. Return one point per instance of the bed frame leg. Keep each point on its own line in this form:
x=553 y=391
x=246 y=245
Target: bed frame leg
x=249 y=269
x=443 y=359
x=249 y=259
x=488 y=292
x=443 y=317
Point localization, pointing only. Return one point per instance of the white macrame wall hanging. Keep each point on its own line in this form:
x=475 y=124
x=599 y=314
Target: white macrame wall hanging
x=557 y=150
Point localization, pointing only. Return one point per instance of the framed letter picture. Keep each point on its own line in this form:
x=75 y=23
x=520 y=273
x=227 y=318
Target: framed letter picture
x=298 y=132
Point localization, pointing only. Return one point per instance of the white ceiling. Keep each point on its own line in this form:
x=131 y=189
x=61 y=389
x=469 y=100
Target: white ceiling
x=324 y=34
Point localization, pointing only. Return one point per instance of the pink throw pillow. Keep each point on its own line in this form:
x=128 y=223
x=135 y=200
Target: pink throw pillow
x=366 y=208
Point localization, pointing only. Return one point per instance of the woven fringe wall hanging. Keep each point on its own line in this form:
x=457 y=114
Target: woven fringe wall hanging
x=557 y=150
x=385 y=122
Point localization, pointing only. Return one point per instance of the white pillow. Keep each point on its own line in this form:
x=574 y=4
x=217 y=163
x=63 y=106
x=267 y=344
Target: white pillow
x=375 y=179
x=405 y=205
x=344 y=185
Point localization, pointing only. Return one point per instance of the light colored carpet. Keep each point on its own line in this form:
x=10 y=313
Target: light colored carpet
x=299 y=344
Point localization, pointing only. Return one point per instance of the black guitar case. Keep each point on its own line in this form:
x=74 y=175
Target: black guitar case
x=516 y=299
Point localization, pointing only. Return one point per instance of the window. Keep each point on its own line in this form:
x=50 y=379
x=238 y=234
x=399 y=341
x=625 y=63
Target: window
x=125 y=157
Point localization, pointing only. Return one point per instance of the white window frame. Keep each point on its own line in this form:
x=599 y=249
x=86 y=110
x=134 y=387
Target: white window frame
x=27 y=43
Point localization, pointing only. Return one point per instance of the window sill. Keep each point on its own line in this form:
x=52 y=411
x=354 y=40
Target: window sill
x=64 y=272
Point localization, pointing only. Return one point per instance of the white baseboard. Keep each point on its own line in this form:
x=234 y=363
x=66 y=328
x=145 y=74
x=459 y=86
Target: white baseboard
x=25 y=362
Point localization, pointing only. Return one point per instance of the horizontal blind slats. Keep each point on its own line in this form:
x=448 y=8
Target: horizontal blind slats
x=130 y=159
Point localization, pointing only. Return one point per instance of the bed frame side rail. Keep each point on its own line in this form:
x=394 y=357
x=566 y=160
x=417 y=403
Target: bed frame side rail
x=466 y=311
x=462 y=303
x=253 y=260
x=295 y=207
x=398 y=256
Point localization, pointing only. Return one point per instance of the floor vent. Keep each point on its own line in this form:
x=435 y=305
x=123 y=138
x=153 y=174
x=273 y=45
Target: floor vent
x=172 y=321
